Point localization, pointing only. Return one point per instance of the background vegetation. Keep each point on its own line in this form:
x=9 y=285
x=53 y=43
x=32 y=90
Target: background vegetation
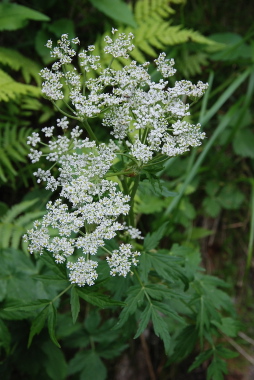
x=213 y=211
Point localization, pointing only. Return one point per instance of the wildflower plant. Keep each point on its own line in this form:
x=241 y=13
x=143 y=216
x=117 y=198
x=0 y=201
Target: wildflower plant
x=92 y=224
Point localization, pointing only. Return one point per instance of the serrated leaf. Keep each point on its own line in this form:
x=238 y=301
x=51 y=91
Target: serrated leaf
x=58 y=269
x=228 y=326
x=217 y=369
x=225 y=352
x=203 y=356
x=144 y=319
x=152 y=240
x=38 y=324
x=98 y=299
x=75 y=304
x=168 y=311
x=185 y=343
x=32 y=306
x=134 y=300
x=52 y=324
x=161 y=328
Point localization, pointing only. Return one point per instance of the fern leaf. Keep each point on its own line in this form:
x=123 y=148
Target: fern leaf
x=17 y=62
x=154 y=31
x=14 y=149
x=17 y=210
x=10 y=89
x=15 y=223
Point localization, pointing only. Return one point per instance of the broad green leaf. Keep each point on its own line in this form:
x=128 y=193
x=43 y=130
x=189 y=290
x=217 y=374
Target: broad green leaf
x=62 y=26
x=234 y=47
x=38 y=324
x=116 y=9
x=14 y=16
x=149 y=204
x=52 y=324
x=75 y=304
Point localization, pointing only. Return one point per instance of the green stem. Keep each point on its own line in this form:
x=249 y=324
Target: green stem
x=60 y=294
x=90 y=131
x=133 y=192
x=65 y=113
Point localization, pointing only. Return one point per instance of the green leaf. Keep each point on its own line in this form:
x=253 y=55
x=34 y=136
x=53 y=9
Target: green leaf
x=75 y=304
x=203 y=356
x=217 y=369
x=161 y=328
x=230 y=197
x=228 y=326
x=55 y=364
x=14 y=16
x=212 y=206
x=31 y=306
x=5 y=337
x=62 y=26
x=185 y=343
x=243 y=143
x=93 y=367
x=144 y=319
x=225 y=352
x=152 y=240
x=52 y=324
x=116 y=9
x=98 y=299
x=38 y=324
x=134 y=300
x=58 y=269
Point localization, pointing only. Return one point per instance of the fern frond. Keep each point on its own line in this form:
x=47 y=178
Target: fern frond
x=17 y=61
x=13 y=149
x=15 y=223
x=10 y=89
x=154 y=32
x=191 y=64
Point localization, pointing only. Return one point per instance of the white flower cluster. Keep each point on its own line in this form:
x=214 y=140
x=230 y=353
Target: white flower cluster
x=146 y=118
x=121 y=260
x=92 y=205
x=138 y=110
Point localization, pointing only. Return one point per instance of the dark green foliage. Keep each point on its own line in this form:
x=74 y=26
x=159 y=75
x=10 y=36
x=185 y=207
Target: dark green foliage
x=202 y=211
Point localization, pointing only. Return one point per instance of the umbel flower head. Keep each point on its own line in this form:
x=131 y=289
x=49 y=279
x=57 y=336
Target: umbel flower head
x=145 y=118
